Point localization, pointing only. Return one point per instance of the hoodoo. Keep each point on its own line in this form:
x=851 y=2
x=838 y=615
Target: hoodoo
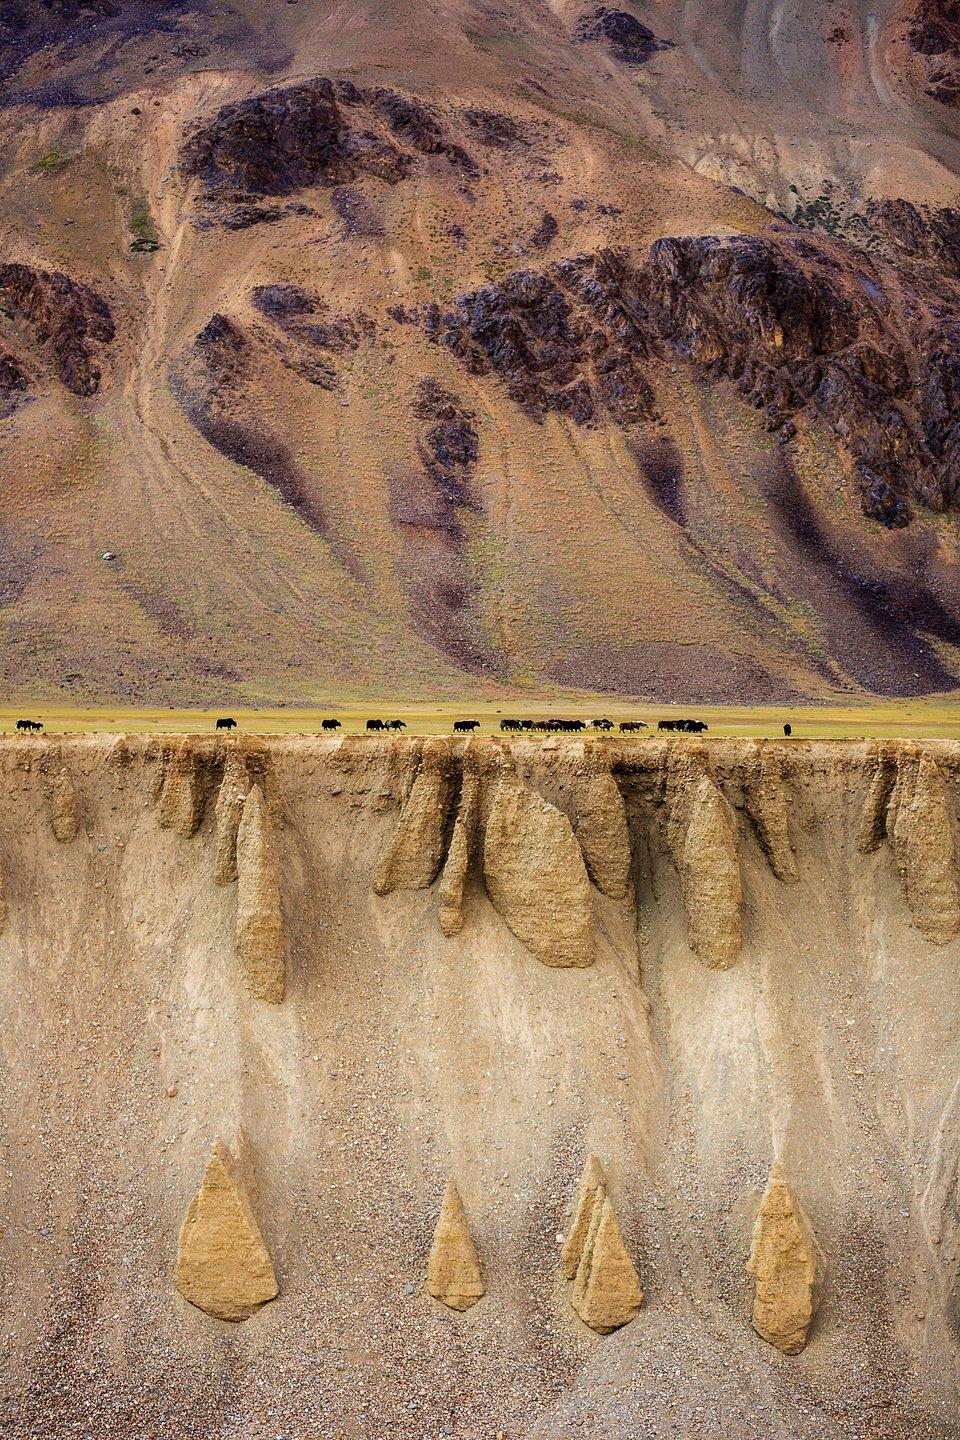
x=709 y=864
x=222 y=1263
x=606 y=1288
x=453 y=1270
x=459 y=855
x=767 y=807
x=413 y=857
x=604 y=836
x=261 y=944
x=782 y=1264
x=536 y=877
x=921 y=831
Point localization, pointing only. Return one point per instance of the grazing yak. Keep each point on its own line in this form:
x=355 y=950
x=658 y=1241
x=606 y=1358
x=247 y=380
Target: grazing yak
x=788 y=729
x=226 y=722
x=464 y=727
x=29 y=725
x=686 y=727
x=629 y=727
x=330 y=724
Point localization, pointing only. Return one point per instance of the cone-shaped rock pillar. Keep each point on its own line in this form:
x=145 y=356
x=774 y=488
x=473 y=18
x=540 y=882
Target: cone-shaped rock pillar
x=606 y=1286
x=710 y=873
x=535 y=876
x=782 y=1264
x=453 y=1270
x=919 y=825
x=222 y=1263
x=260 y=935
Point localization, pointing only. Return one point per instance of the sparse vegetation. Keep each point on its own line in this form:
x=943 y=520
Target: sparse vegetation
x=51 y=162
x=145 y=237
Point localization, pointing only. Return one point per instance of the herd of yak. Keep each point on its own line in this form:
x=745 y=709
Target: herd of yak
x=466 y=727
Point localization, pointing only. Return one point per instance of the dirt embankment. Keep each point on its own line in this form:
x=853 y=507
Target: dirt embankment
x=674 y=1027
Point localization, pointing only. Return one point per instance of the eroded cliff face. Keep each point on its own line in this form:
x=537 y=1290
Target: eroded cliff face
x=758 y=968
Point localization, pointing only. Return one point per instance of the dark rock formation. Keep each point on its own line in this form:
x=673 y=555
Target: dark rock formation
x=800 y=326
x=545 y=232
x=449 y=448
x=414 y=125
x=629 y=40
x=935 y=37
x=320 y=132
x=559 y=339
x=429 y=505
x=212 y=384
x=284 y=141
x=13 y=384
x=307 y=326
x=66 y=319
x=495 y=129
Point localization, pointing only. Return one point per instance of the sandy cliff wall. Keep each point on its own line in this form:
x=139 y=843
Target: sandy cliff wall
x=363 y=969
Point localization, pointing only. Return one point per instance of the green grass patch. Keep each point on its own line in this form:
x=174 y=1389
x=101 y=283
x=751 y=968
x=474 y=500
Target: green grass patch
x=145 y=237
x=51 y=162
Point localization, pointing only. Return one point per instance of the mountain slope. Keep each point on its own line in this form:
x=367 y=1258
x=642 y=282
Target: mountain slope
x=349 y=339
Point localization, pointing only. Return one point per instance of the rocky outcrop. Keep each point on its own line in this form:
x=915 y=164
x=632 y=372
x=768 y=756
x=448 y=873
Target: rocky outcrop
x=234 y=789
x=414 y=855
x=222 y=1263
x=606 y=1288
x=604 y=836
x=934 y=36
x=920 y=829
x=535 y=876
x=453 y=1270
x=702 y=832
x=260 y=932
x=881 y=770
x=63 y=807
x=801 y=326
x=783 y=1265
x=767 y=807
x=629 y=41
x=69 y=322
x=459 y=856
x=181 y=793
x=319 y=132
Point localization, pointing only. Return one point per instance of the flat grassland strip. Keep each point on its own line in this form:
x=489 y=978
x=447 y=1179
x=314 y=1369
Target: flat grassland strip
x=917 y=719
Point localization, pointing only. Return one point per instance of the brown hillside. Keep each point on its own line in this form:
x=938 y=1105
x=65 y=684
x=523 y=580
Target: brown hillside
x=458 y=350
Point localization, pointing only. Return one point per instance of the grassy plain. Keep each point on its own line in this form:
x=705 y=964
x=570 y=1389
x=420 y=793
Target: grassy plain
x=907 y=719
